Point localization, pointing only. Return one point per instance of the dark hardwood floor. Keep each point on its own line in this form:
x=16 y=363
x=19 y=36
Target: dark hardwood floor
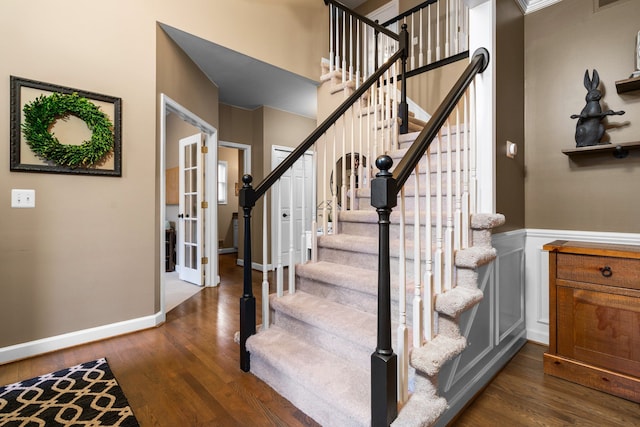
x=186 y=373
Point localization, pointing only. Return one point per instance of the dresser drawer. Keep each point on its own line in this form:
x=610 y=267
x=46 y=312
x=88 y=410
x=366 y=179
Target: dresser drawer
x=599 y=328
x=602 y=270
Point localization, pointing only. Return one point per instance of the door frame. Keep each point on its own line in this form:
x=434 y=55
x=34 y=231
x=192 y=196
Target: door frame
x=210 y=250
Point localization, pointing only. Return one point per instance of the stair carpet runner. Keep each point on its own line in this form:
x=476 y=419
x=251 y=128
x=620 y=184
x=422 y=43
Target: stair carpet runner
x=317 y=351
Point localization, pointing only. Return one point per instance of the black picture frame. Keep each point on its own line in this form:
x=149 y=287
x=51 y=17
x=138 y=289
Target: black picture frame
x=22 y=159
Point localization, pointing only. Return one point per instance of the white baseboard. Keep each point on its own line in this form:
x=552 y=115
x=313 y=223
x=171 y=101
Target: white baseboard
x=255 y=265
x=58 y=342
x=227 y=250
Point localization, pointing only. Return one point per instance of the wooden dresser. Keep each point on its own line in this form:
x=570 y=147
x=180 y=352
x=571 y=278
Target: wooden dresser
x=594 y=316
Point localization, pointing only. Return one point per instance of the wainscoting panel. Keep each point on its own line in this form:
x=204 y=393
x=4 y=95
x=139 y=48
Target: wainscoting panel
x=537 y=272
x=495 y=328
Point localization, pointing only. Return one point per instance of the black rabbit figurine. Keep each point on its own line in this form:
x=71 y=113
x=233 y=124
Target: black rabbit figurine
x=589 y=130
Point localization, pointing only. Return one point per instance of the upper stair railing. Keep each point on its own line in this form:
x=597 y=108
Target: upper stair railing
x=432 y=260
x=438 y=34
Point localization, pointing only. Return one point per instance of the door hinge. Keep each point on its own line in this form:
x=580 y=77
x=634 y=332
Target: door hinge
x=204 y=149
x=204 y=205
x=205 y=260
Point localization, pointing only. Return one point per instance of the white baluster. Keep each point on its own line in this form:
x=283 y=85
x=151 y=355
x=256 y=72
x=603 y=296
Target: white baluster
x=303 y=234
x=413 y=35
x=343 y=155
x=265 y=268
x=350 y=47
x=465 y=176
x=314 y=204
x=438 y=31
x=292 y=235
x=332 y=31
x=429 y=313
x=438 y=261
x=403 y=332
x=448 y=259
x=344 y=47
x=325 y=182
x=421 y=38
x=334 y=189
x=279 y=268
x=457 y=220
x=417 y=298
x=473 y=185
x=447 y=31
x=352 y=177
x=429 y=28
x=358 y=23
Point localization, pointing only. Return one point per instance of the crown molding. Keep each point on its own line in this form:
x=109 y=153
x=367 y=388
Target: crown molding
x=529 y=6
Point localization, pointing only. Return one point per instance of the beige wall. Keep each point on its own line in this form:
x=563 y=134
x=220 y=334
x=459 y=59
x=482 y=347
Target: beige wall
x=561 y=41
x=88 y=254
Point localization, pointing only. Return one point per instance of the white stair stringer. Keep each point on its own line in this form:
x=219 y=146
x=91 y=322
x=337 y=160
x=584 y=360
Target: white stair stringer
x=317 y=351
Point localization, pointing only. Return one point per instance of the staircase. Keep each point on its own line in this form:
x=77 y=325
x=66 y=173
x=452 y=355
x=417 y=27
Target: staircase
x=339 y=340
x=317 y=350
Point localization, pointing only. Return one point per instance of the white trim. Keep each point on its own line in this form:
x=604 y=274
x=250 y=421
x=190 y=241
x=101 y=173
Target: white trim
x=168 y=105
x=537 y=272
x=58 y=342
x=482 y=19
x=255 y=265
x=529 y=6
x=243 y=147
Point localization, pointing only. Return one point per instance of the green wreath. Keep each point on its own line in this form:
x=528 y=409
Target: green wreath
x=44 y=111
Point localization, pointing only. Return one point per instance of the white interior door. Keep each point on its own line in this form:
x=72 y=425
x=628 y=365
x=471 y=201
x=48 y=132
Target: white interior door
x=287 y=207
x=189 y=219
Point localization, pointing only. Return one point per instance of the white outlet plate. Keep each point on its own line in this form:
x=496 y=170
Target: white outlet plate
x=23 y=198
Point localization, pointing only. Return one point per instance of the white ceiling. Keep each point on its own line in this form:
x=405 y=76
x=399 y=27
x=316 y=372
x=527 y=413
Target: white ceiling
x=246 y=82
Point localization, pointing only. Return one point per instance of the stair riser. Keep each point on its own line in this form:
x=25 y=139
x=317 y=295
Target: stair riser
x=296 y=392
x=350 y=350
x=365 y=261
x=367 y=302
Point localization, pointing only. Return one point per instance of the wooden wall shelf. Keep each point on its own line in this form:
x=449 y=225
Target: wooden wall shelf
x=619 y=150
x=628 y=85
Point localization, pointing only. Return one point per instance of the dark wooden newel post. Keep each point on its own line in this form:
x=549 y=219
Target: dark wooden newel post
x=403 y=108
x=384 y=362
x=247 y=200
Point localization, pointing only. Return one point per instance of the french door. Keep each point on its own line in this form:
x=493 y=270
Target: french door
x=190 y=202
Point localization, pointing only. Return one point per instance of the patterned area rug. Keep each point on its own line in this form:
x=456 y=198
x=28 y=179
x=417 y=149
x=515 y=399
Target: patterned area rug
x=83 y=395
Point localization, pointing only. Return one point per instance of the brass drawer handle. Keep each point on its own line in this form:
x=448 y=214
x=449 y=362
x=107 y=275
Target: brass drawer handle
x=606 y=271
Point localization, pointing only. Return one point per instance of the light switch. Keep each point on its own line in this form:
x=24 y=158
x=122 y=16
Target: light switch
x=23 y=198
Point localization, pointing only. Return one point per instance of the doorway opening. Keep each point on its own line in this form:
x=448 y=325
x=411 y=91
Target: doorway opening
x=234 y=161
x=176 y=122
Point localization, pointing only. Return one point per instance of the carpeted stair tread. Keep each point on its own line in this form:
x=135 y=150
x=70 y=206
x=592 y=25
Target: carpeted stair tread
x=338 y=319
x=457 y=300
x=323 y=376
x=474 y=257
x=484 y=221
x=371 y=216
x=430 y=357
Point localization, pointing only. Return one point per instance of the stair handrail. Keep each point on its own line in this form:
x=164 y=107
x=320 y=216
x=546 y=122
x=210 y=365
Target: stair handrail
x=384 y=195
x=248 y=196
x=478 y=63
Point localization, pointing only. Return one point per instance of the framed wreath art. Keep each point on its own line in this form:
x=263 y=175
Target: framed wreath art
x=59 y=129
